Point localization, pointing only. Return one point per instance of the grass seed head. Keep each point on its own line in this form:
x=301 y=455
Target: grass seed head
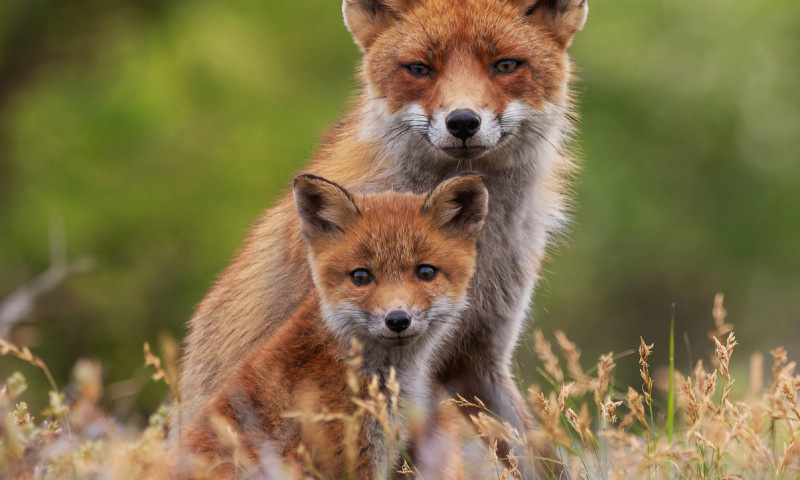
x=645 y=351
x=545 y=353
x=719 y=313
x=756 y=377
x=581 y=423
x=607 y=410
x=723 y=353
x=563 y=395
x=791 y=454
x=689 y=401
x=151 y=360
x=605 y=368
x=572 y=354
x=15 y=386
x=636 y=405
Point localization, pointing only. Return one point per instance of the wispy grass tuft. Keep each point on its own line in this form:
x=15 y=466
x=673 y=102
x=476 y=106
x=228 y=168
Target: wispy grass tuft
x=671 y=390
x=706 y=432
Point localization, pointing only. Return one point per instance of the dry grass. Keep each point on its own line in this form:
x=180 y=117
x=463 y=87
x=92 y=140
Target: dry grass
x=598 y=431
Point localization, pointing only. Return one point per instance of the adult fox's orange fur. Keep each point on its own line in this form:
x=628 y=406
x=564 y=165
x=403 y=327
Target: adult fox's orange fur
x=447 y=86
x=391 y=270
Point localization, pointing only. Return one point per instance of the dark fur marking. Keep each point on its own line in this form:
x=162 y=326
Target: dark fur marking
x=314 y=177
x=372 y=6
x=555 y=7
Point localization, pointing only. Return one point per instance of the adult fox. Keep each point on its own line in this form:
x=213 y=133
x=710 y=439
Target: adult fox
x=446 y=86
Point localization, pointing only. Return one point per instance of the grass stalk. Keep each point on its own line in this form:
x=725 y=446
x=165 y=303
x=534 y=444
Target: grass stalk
x=671 y=391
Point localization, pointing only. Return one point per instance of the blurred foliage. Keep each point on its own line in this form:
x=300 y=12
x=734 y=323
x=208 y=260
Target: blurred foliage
x=158 y=131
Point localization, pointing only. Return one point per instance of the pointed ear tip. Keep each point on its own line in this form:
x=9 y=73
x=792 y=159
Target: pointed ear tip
x=469 y=178
x=475 y=182
x=298 y=180
x=307 y=178
x=303 y=178
x=479 y=180
x=307 y=186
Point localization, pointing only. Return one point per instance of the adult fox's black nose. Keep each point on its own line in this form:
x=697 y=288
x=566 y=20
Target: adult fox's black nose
x=463 y=123
x=398 y=320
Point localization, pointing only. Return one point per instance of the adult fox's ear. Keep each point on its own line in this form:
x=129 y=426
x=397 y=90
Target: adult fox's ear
x=459 y=204
x=562 y=17
x=324 y=207
x=366 y=19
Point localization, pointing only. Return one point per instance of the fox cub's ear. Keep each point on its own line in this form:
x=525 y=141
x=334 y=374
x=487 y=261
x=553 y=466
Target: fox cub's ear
x=562 y=17
x=459 y=204
x=366 y=19
x=324 y=207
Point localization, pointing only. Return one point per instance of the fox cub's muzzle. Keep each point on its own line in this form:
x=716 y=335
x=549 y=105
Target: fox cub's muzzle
x=398 y=320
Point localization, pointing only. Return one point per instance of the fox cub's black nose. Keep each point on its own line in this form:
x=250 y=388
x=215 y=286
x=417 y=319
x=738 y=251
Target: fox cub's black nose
x=463 y=123
x=397 y=321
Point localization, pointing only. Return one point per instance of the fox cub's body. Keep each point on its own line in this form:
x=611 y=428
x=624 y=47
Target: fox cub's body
x=391 y=271
x=447 y=86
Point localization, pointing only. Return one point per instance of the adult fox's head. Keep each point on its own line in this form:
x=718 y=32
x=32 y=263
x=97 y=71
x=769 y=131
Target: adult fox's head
x=392 y=268
x=468 y=76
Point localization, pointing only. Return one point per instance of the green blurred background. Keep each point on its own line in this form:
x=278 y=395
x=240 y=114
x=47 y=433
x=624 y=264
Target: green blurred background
x=156 y=132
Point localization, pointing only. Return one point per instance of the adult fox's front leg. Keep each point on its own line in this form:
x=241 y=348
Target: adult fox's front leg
x=510 y=255
x=497 y=390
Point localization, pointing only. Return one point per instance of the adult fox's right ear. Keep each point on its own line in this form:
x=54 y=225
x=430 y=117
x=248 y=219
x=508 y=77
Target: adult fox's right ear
x=324 y=207
x=563 y=18
x=366 y=19
x=459 y=204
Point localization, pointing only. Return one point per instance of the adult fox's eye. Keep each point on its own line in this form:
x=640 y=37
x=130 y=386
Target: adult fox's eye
x=507 y=65
x=419 y=69
x=361 y=277
x=426 y=273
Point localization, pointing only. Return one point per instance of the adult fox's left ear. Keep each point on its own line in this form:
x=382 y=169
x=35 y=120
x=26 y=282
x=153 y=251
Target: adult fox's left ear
x=366 y=19
x=562 y=17
x=459 y=204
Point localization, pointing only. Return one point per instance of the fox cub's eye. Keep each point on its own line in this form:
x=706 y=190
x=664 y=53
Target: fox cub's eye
x=507 y=65
x=361 y=277
x=426 y=273
x=419 y=70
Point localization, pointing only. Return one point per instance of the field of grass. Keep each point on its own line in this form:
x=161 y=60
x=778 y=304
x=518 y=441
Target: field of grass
x=156 y=132
x=671 y=425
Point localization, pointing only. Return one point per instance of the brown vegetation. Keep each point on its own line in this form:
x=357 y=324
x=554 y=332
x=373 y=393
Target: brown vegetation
x=718 y=433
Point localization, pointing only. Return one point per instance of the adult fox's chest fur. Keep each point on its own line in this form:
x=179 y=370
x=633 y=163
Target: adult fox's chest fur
x=269 y=276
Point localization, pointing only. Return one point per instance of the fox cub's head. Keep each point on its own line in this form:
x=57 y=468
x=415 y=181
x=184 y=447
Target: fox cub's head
x=467 y=76
x=392 y=268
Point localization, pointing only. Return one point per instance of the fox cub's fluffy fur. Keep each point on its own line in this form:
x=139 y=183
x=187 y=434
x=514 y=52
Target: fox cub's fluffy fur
x=391 y=271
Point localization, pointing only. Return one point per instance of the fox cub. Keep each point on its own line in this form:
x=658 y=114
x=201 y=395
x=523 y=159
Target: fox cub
x=390 y=271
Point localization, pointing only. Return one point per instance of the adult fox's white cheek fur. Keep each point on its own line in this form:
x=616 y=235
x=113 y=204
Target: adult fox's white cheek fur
x=410 y=128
